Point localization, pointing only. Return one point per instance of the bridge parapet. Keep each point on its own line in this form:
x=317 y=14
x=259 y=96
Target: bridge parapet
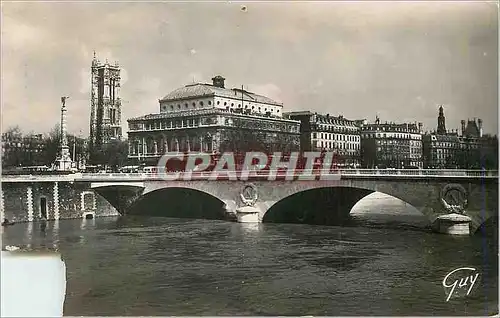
x=296 y=175
x=40 y=178
x=261 y=175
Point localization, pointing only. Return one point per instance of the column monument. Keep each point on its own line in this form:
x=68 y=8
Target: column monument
x=63 y=161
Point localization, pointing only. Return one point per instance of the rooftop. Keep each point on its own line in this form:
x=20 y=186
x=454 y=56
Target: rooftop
x=203 y=90
x=324 y=119
x=197 y=112
x=391 y=126
x=472 y=129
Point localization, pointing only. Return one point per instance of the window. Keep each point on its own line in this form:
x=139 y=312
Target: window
x=232 y=104
x=225 y=103
x=201 y=103
x=209 y=103
x=218 y=102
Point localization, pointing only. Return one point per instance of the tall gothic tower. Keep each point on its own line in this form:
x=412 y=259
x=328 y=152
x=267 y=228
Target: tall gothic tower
x=105 y=104
x=441 y=129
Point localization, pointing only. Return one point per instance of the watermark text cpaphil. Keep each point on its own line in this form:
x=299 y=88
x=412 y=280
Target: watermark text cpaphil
x=292 y=166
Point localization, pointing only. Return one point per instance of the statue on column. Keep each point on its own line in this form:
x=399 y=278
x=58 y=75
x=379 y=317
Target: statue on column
x=63 y=161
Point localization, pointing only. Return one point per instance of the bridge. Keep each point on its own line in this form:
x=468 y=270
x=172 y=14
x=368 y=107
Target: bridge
x=433 y=192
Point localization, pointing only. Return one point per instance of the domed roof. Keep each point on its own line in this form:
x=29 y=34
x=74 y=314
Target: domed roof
x=189 y=91
x=203 y=90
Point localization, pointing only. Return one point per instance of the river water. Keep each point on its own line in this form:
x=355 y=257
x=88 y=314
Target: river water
x=386 y=262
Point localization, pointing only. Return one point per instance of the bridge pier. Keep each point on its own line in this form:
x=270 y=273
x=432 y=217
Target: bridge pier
x=454 y=224
x=248 y=214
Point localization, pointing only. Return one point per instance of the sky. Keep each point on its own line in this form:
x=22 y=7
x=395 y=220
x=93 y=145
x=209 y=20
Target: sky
x=356 y=59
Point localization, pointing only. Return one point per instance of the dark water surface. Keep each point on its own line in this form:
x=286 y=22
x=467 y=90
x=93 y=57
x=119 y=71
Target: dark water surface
x=380 y=265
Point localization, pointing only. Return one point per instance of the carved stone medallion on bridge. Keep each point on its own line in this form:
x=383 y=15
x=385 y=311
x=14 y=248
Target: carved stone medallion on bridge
x=454 y=198
x=249 y=195
x=249 y=213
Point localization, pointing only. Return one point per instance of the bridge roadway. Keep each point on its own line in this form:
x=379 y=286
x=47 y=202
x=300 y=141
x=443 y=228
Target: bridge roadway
x=433 y=192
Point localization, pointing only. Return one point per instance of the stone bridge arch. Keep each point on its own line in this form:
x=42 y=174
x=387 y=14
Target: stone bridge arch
x=350 y=192
x=179 y=202
x=120 y=195
x=326 y=205
x=423 y=194
x=225 y=191
x=273 y=192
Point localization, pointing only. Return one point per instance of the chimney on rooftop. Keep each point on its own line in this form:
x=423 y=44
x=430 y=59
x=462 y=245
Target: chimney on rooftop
x=480 y=126
x=218 y=81
x=463 y=126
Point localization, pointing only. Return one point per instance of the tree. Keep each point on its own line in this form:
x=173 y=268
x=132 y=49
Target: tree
x=113 y=154
x=13 y=153
x=51 y=145
x=14 y=131
x=116 y=153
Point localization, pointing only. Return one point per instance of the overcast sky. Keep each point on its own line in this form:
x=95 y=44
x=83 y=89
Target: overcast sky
x=399 y=60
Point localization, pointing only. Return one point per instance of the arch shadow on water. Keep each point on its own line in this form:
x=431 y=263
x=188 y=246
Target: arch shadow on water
x=333 y=206
x=179 y=203
x=321 y=206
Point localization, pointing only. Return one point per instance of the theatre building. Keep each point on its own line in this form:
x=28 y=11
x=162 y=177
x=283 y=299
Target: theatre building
x=211 y=118
x=391 y=145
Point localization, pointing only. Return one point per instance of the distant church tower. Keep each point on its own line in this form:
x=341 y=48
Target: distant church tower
x=441 y=129
x=105 y=104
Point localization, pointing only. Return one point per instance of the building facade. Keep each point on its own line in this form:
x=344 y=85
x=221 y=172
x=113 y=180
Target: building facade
x=469 y=149
x=211 y=118
x=105 y=104
x=391 y=145
x=327 y=133
x=22 y=150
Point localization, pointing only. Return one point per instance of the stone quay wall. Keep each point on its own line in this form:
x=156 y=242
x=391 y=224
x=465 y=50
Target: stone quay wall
x=34 y=201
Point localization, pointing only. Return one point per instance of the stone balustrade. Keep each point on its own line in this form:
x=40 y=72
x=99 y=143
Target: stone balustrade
x=344 y=173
